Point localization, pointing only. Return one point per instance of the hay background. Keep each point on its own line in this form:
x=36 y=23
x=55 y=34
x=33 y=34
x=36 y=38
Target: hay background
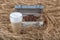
x=51 y=13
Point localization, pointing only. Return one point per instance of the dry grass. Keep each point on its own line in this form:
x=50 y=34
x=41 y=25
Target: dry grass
x=51 y=31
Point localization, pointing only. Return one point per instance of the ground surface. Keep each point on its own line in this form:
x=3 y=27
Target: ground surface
x=52 y=16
